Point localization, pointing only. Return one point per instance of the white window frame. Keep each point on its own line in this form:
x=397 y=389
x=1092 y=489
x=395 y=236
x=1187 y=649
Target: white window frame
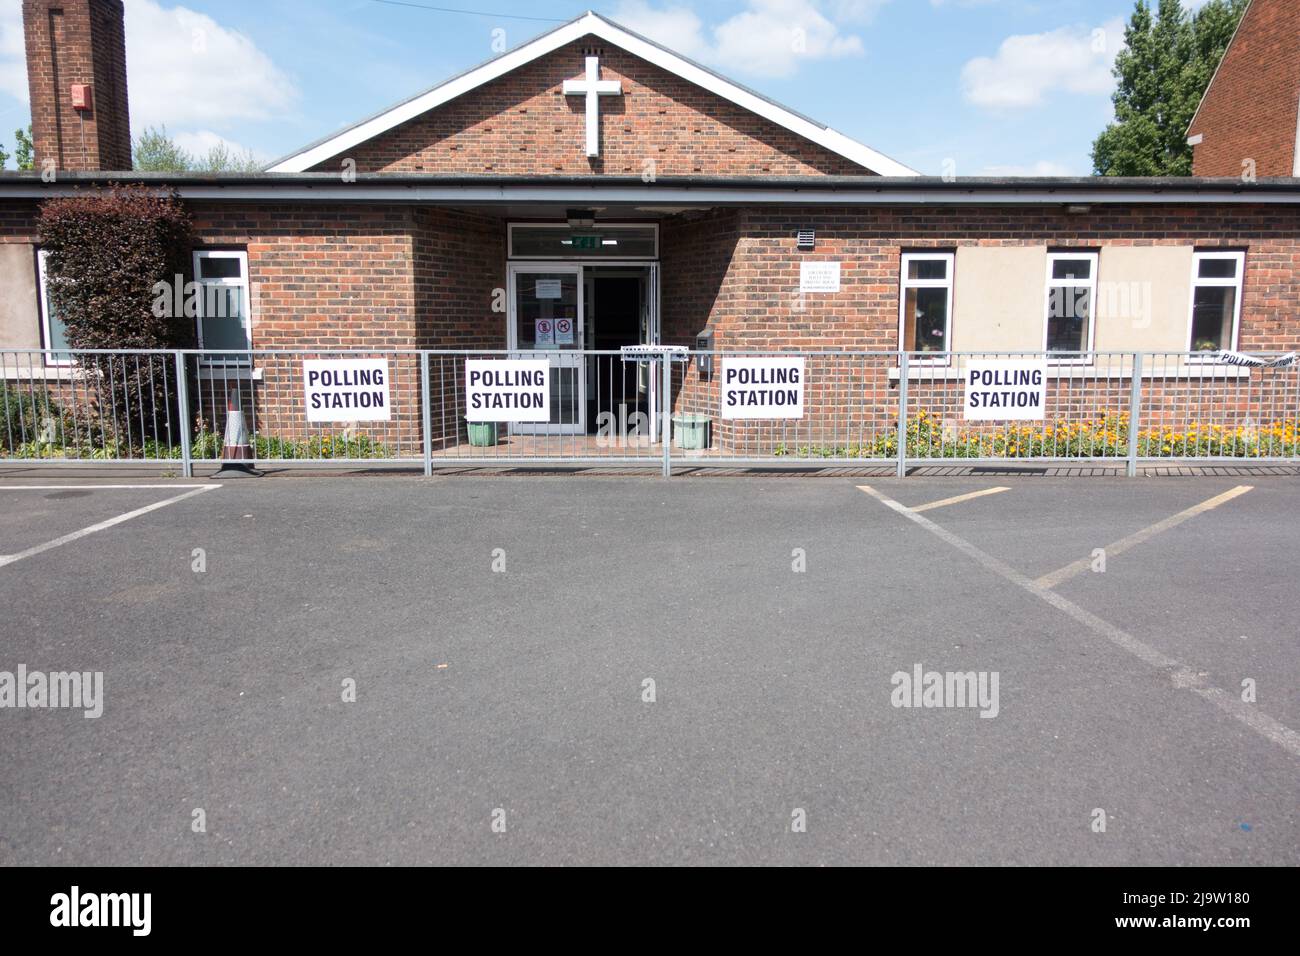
x=1237 y=283
x=1091 y=285
x=47 y=339
x=905 y=284
x=242 y=282
x=607 y=226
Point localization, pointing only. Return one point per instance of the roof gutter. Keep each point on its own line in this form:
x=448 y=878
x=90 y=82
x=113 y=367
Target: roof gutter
x=672 y=191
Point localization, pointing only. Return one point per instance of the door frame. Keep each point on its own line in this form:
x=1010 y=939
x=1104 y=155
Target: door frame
x=559 y=358
x=578 y=268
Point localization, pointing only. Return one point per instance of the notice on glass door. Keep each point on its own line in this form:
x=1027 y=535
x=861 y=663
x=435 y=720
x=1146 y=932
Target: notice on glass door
x=544 y=333
x=564 y=331
x=549 y=289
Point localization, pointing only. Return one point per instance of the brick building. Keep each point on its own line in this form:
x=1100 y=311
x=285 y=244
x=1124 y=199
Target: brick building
x=1248 y=121
x=595 y=179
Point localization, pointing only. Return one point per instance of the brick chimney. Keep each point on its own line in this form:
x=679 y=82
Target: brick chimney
x=76 y=71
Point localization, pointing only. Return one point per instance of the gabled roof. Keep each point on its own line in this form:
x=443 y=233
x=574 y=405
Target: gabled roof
x=1227 y=50
x=590 y=24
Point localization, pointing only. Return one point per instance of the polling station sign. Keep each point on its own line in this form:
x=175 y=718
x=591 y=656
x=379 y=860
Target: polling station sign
x=346 y=390
x=762 y=388
x=508 y=390
x=1005 y=390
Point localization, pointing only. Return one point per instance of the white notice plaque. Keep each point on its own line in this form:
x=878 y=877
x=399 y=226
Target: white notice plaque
x=819 y=277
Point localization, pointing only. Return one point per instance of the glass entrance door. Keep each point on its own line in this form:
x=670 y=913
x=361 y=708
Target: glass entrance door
x=546 y=321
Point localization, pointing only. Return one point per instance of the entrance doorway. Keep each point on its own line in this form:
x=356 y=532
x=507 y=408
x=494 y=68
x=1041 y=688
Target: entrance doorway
x=619 y=400
x=558 y=310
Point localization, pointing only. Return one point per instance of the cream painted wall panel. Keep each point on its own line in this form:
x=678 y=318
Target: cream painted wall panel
x=1143 y=298
x=998 y=298
x=20 y=317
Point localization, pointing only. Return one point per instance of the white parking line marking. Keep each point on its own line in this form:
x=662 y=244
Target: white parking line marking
x=959 y=499
x=4 y=487
x=1133 y=540
x=1182 y=676
x=77 y=535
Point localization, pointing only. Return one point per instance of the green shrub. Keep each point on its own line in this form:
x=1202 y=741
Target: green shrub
x=29 y=418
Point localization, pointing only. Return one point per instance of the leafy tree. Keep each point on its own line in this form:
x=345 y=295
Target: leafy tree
x=26 y=152
x=108 y=250
x=155 y=151
x=1166 y=64
x=4 y=157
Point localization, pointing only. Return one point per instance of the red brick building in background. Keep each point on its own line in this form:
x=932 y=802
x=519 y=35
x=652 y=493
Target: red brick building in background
x=1249 y=117
x=666 y=204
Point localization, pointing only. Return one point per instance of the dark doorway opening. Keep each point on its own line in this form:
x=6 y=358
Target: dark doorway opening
x=616 y=316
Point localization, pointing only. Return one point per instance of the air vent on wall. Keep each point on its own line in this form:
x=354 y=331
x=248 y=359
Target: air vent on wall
x=807 y=238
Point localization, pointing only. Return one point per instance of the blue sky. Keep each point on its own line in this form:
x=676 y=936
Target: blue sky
x=987 y=86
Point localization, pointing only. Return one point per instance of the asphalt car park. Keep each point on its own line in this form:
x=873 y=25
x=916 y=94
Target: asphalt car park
x=601 y=670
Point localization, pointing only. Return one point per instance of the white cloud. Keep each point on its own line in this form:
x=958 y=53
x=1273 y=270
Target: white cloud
x=183 y=68
x=13 y=59
x=1027 y=68
x=768 y=38
x=199 y=143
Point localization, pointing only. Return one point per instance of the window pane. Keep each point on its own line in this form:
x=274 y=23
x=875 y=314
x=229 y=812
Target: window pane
x=224 y=333
x=1072 y=269
x=220 y=267
x=927 y=269
x=58 y=335
x=925 y=320
x=1212 y=311
x=224 y=325
x=1217 y=269
x=543 y=301
x=1069 y=313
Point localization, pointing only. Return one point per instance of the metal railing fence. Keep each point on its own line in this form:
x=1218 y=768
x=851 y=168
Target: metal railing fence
x=608 y=407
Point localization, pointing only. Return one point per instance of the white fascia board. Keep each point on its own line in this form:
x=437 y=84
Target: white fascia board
x=703 y=197
x=822 y=135
x=589 y=24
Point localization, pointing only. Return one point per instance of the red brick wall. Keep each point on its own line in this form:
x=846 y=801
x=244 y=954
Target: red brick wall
x=1249 y=111
x=78 y=41
x=756 y=304
x=753 y=303
x=402 y=276
x=696 y=278
x=324 y=276
x=523 y=123
x=460 y=279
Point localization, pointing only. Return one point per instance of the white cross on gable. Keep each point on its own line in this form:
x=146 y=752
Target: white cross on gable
x=593 y=87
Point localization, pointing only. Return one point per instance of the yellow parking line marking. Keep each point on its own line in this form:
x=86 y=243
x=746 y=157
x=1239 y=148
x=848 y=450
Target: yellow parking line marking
x=1124 y=544
x=1181 y=676
x=960 y=498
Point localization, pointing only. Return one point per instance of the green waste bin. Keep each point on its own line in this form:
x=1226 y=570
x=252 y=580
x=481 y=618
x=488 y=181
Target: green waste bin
x=482 y=434
x=691 y=432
